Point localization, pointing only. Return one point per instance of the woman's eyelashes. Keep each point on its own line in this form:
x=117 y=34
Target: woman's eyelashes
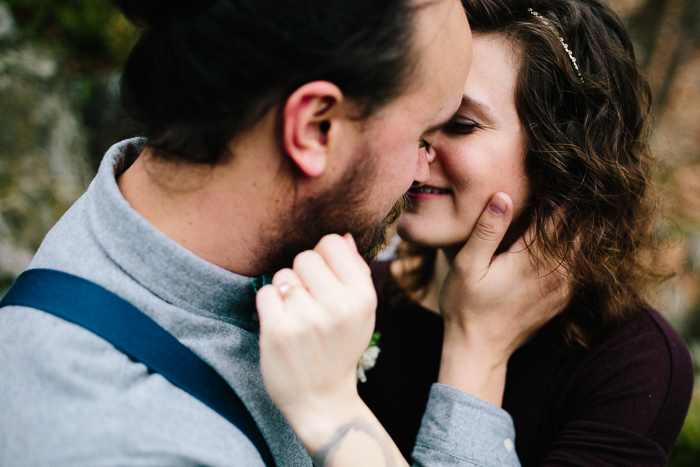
x=461 y=126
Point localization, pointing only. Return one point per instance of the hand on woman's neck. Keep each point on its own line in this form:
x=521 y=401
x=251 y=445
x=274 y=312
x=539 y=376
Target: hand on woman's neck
x=429 y=297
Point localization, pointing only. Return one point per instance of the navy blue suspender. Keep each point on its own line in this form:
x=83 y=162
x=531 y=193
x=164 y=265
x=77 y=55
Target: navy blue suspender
x=132 y=332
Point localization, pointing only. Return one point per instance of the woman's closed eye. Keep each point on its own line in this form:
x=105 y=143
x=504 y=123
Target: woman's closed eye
x=461 y=126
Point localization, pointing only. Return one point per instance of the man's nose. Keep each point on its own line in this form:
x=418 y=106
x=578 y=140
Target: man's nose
x=425 y=157
x=431 y=154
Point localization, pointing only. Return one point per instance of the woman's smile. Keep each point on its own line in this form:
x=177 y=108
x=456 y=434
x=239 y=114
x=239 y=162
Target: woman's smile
x=427 y=192
x=479 y=153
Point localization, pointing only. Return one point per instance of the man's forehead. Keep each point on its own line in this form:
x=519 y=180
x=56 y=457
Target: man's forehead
x=445 y=49
x=434 y=13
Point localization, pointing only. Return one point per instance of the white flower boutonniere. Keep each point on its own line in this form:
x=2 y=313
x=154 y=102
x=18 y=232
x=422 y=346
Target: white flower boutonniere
x=369 y=357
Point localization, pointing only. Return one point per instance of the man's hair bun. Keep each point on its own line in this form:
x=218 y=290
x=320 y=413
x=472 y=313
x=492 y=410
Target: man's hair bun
x=155 y=12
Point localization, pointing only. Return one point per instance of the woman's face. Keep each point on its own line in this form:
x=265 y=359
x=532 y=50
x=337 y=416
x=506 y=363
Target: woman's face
x=480 y=153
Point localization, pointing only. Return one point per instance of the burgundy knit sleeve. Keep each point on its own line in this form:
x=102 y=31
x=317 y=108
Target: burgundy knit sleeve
x=627 y=402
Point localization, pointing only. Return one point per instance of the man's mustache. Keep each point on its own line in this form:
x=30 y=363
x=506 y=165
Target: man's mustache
x=399 y=207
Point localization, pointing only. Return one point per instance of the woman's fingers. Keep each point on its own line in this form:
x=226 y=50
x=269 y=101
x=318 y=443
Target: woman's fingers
x=273 y=300
x=285 y=279
x=342 y=257
x=475 y=257
x=269 y=304
x=313 y=271
x=329 y=287
x=314 y=327
x=353 y=247
x=349 y=272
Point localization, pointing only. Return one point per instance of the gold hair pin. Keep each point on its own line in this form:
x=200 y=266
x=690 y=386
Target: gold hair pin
x=561 y=39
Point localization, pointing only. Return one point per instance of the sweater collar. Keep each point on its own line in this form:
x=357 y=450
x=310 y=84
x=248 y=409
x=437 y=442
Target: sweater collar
x=167 y=269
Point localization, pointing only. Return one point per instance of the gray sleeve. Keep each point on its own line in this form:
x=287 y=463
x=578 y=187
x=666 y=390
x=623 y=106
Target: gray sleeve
x=459 y=429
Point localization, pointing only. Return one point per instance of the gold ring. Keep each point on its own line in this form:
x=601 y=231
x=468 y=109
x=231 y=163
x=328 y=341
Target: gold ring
x=286 y=288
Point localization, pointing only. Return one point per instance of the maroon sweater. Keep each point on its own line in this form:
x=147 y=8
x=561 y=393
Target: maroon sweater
x=622 y=403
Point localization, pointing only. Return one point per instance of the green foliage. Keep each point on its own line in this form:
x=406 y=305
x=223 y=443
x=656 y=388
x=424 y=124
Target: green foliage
x=93 y=32
x=686 y=452
x=375 y=339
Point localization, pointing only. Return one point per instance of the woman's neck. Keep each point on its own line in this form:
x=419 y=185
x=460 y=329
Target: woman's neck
x=428 y=297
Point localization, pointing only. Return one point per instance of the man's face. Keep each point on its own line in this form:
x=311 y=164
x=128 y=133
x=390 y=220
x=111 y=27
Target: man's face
x=339 y=210
x=394 y=135
x=386 y=155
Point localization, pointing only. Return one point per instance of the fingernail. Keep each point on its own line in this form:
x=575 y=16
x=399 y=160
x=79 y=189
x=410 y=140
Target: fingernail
x=351 y=242
x=498 y=205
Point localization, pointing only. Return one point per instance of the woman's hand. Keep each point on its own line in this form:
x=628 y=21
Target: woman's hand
x=316 y=320
x=493 y=305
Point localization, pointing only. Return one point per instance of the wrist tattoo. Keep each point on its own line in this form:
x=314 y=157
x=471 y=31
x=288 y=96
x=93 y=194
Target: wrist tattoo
x=324 y=456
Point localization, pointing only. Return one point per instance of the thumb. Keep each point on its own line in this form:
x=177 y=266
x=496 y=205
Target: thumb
x=475 y=257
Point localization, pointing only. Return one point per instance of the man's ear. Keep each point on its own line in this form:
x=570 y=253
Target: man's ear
x=309 y=115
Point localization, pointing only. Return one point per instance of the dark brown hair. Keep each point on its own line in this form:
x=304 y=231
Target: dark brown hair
x=587 y=156
x=204 y=71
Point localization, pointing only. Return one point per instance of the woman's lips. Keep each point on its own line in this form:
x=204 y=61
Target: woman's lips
x=427 y=192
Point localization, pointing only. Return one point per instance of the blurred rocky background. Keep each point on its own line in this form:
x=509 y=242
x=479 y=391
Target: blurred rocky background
x=59 y=84
x=59 y=112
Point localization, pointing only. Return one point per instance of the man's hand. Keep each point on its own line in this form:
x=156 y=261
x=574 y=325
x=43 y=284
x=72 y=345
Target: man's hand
x=493 y=305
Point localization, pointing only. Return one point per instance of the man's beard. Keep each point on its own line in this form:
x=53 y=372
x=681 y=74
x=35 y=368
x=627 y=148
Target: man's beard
x=339 y=210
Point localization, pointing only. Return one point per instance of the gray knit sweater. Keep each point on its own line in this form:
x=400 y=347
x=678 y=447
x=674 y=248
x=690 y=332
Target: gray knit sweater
x=69 y=398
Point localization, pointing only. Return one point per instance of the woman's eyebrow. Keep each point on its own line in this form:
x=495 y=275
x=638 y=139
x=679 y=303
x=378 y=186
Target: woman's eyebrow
x=471 y=102
x=480 y=108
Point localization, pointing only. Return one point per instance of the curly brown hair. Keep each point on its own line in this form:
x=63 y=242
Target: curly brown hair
x=587 y=156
